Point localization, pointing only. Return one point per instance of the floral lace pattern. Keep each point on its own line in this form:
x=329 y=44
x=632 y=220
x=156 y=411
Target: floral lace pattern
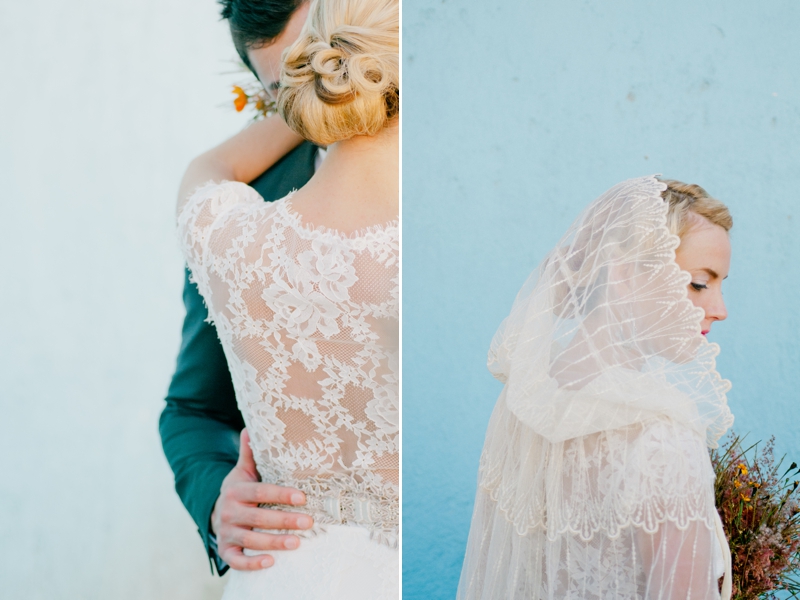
x=308 y=319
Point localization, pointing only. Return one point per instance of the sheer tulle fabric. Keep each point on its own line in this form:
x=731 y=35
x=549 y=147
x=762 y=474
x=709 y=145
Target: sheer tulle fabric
x=309 y=322
x=595 y=479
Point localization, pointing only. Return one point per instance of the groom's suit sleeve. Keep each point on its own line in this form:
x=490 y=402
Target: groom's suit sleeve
x=201 y=422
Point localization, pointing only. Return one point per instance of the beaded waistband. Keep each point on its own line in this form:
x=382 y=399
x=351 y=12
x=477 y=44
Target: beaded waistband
x=346 y=500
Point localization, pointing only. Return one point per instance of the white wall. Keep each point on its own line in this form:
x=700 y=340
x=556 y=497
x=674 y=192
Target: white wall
x=102 y=104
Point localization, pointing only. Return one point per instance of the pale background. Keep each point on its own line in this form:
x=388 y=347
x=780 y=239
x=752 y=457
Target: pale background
x=516 y=115
x=102 y=105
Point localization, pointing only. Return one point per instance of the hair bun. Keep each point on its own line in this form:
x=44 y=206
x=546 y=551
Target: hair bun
x=332 y=80
x=341 y=77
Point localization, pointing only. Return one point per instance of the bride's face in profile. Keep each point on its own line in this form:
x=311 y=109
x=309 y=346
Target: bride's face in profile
x=705 y=253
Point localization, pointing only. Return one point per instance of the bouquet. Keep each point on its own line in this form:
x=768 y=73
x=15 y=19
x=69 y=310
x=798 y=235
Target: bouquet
x=757 y=500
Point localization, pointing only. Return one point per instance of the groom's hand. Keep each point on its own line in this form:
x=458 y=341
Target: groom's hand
x=236 y=513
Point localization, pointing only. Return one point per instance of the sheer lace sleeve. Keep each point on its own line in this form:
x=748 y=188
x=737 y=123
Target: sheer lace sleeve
x=209 y=214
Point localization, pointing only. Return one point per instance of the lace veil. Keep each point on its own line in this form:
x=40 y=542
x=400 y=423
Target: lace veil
x=595 y=481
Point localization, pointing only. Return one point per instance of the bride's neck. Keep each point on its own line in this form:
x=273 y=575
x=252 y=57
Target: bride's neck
x=362 y=157
x=357 y=184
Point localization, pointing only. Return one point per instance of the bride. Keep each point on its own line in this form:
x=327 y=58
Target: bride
x=304 y=293
x=595 y=479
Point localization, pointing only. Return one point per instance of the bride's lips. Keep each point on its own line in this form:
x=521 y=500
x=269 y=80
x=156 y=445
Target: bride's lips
x=705 y=332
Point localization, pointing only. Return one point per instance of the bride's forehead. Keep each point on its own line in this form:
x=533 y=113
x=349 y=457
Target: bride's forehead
x=705 y=246
x=703 y=231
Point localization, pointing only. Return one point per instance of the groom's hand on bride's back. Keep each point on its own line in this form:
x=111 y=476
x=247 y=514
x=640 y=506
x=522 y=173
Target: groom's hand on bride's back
x=236 y=513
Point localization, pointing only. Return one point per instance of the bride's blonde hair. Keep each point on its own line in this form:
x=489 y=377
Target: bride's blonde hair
x=341 y=78
x=685 y=198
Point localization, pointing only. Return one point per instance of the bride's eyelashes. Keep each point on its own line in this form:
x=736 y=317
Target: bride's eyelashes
x=699 y=286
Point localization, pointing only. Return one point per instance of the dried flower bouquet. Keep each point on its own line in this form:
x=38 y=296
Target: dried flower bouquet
x=758 y=502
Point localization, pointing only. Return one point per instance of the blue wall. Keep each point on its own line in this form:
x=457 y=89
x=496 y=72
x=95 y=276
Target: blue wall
x=516 y=115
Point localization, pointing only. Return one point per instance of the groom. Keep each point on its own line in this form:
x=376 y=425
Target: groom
x=200 y=424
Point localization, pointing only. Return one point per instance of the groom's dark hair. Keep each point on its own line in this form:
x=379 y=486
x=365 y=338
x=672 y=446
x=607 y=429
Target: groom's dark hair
x=255 y=23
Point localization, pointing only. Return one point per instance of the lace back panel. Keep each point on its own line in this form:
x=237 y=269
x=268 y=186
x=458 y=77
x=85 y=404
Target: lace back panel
x=309 y=321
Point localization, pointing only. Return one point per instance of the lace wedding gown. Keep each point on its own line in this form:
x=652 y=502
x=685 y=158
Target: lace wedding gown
x=595 y=480
x=308 y=320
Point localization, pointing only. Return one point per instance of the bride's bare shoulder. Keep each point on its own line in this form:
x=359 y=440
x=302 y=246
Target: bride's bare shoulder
x=316 y=209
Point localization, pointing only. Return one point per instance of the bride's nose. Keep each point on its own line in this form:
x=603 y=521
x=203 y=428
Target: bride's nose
x=716 y=310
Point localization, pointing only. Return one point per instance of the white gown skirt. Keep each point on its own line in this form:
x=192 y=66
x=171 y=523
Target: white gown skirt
x=342 y=563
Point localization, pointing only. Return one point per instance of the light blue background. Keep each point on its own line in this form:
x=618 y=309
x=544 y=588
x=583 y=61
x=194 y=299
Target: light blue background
x=516 y=115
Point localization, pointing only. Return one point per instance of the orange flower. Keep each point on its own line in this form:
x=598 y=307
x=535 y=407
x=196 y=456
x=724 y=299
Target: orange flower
x=745 y=498
x=742 y=469
x=241 y=98
x=737 y=484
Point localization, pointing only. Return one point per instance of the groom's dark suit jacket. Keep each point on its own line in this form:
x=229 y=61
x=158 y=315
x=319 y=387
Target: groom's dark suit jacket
x=201 y=423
